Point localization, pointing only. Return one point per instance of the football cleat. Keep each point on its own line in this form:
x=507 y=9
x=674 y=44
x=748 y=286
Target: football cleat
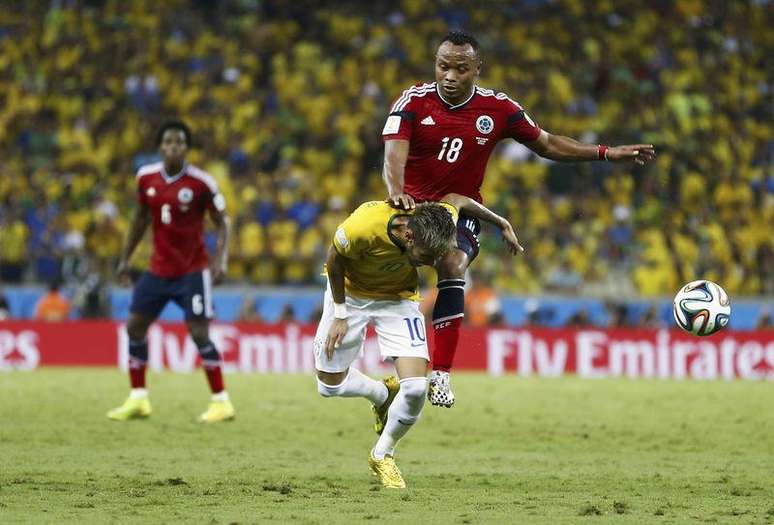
x=439 y=391
x=387 y=471
x=218 y=411
x=131 y=409
x=393 y=387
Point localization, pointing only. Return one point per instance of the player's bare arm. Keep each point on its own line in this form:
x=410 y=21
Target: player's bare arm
x=566 y=149
x=335 y=269
x=141 y=218
x=479 y=211
x=219 y=263
x=395 y=155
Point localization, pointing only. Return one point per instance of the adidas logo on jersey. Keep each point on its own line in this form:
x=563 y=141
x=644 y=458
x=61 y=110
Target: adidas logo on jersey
x=428 y=121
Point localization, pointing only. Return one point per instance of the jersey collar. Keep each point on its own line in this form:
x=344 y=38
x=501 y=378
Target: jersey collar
x=455 y=106
x=169 y=179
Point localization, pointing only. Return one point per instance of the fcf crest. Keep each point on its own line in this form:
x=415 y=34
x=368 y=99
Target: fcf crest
x=185 y=195
x=484 y=124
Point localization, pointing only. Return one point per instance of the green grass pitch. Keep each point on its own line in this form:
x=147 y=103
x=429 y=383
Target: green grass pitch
x=512 y=451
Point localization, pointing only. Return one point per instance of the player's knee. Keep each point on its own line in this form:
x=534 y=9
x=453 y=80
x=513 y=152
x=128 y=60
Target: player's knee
x=200 y=336
x=136 y=331
x=201 y=341
x=414 y=389
x=452 y=265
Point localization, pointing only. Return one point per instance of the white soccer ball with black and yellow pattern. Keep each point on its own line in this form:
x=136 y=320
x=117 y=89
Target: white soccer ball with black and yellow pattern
x=701 y=307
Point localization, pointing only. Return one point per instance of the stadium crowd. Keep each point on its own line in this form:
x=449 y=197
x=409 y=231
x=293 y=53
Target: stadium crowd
x=287 y=101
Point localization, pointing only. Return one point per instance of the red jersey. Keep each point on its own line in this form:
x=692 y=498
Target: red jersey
x=449 y=146
x=177 y=204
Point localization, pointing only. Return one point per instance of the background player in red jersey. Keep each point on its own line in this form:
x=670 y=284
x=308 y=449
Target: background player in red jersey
x=174 y=196
x=438 y=139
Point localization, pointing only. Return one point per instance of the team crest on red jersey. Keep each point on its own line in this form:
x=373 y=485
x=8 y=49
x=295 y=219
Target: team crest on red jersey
x=185 y=195
x=484 y=124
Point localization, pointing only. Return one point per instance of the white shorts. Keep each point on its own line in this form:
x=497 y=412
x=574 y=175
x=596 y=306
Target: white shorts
x=400 y=331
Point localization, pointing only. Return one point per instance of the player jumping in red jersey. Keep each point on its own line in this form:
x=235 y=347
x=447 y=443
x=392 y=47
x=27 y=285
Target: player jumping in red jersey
x=174 y=197
x=438 y=139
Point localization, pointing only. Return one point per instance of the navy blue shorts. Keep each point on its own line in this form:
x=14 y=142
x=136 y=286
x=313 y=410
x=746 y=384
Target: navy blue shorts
x=191 y=292
x=468 y=230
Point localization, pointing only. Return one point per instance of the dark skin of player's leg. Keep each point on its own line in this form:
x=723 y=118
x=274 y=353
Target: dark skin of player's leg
x=137 y=326
x=452 y=265
x=199 y=329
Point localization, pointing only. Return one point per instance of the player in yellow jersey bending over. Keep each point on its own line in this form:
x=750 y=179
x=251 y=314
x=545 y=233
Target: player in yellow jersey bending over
x=372 y=278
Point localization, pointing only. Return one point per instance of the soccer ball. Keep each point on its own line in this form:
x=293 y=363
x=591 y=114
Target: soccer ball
x=701 y=307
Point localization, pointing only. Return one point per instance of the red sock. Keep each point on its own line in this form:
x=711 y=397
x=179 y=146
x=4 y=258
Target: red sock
x=447 y=333
x=214 y=378
x=137 y=373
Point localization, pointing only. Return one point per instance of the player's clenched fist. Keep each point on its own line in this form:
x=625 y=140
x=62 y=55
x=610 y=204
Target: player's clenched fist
x=335 y=336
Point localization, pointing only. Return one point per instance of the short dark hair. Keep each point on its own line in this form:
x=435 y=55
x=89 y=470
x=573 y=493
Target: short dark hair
x=460 y=38
x=433 y=228
x=174 y=124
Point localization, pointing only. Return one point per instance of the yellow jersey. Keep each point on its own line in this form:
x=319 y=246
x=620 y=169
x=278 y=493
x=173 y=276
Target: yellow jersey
x=375 y=267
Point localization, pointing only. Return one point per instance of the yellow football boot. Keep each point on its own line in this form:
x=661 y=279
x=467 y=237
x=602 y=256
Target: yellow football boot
x=387 y=471
x=218 y=411
x=393 y=386
x=131 y=409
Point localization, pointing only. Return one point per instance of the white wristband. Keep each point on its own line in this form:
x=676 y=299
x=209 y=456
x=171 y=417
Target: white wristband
x=340 y=310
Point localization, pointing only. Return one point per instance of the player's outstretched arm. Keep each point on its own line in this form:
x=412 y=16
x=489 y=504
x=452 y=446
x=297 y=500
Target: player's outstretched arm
x=479 y=211
x=566 y=149
x=219 y=263
x=140 y=221
x=334 y=267
x=395 y=156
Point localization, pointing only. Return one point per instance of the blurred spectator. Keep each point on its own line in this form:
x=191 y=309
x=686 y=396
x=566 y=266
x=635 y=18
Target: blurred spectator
x=650 y=318
x=5 y=308
x=620 y=234
x=13 y=247
x=288 y=315
x=618 y=313
x=562 y=278
x=249 y=310
x=538 y=315
x=92 y=298
x=482 y=305
x=53 y=306
x=765 y=321
x=579 y=319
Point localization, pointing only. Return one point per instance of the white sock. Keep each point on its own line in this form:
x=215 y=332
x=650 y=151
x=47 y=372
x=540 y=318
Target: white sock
x=404 y=412
x=220 y=396
x=138 y=393
x=356 y=384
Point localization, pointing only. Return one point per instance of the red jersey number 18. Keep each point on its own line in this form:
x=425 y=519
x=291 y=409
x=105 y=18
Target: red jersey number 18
x=455 y=146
